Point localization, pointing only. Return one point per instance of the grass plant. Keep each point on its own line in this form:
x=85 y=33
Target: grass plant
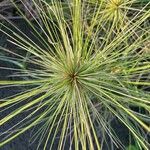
x=79 y=75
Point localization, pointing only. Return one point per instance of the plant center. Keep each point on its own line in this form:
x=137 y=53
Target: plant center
x=72 y=78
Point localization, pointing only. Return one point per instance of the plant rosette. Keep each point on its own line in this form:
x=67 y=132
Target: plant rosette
x=77 y=79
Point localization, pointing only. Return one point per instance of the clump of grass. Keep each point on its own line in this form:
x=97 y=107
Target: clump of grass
x=78 y=77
